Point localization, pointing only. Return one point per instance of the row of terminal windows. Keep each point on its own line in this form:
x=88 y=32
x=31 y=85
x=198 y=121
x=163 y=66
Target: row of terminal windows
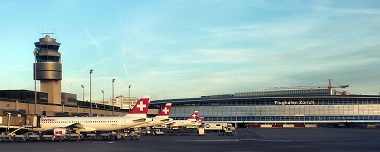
x=278 y=102
x=80 y=121
x=290 y=118
x=286 y=92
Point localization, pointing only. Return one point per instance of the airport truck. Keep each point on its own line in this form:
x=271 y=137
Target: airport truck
x=216 y=126
x=134 y=135
x=229 y=131
x=5 y=138
x=32 y=136
x=20 y=138
x=157 y=132
x=48 y=138
x=201 y=131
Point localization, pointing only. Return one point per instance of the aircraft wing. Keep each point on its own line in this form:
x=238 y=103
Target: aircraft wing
x=75 y=126
x=168 y=119
x=88 y=129
x=169 y=123
x=79 y=127
x=139 y=120
x=72 y=126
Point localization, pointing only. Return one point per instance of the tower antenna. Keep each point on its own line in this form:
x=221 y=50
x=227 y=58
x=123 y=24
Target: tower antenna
x=47 y=33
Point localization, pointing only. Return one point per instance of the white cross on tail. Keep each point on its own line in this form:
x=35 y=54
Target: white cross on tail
x=166 y=110
x=141 y=105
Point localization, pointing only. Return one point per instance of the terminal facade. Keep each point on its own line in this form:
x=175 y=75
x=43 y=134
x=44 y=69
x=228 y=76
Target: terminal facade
x=284 y=109
x=233 y=108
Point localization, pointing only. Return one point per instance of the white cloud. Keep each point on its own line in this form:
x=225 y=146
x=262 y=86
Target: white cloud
x=344 y=11
x=209 y=56
x=133 y=54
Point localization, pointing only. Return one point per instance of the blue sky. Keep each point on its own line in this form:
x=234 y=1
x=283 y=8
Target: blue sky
x=180 y=49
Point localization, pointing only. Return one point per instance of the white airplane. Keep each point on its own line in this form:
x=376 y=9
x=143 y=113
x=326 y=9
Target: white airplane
x=192 y=120
x=160 y=119
x=136 y=116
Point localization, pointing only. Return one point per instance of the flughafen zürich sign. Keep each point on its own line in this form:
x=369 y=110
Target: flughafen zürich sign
x=291 y=102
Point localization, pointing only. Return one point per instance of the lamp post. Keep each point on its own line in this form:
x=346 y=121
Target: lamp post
x=82 y=96
x=9 y=119
x=129 y=97
x=82 y=92
x=35 y=82
x=103 y=96
x=90 y=94
x=113 y=105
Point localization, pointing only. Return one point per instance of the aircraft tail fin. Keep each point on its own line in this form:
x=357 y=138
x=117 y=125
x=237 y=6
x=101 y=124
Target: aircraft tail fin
x=200 y=119
x=165 y=112
x=193 y=116
x=141 y=108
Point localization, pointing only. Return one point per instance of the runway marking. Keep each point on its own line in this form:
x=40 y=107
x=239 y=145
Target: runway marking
x=274 y=140
x=258 y=134
x=236 y=140
x=247 y=134
x=202 y=140
x=261 y=135
x=265 y=140
x=102 y=142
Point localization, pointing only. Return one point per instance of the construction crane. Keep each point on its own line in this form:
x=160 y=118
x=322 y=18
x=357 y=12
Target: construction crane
x=329 y=87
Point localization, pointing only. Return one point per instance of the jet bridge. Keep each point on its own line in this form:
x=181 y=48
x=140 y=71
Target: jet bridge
x=11 y=123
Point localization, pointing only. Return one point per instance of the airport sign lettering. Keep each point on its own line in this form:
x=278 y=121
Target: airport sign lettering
x=291 y=102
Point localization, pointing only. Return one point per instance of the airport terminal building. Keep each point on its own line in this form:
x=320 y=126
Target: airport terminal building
x=242 y=109
x=281 y=107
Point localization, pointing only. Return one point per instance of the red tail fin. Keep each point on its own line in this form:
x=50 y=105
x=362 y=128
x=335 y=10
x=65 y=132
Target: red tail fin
x=200 y=119
x=141 y=106
x=166 y=110
x=194 y=115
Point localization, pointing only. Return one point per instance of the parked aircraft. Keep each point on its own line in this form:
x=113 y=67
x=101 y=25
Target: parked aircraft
x=192 y=120
x=160 y=119
x=136 y=116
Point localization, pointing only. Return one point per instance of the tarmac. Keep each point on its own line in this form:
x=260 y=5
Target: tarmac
x=245 y=139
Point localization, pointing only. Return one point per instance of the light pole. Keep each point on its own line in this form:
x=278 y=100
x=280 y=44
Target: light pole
x=103 y=96
x=82 y=92
x=82 y=96
x=35 y=82
x=90 y=94
x=129 y=97
x=113 y=105
x=9 y=119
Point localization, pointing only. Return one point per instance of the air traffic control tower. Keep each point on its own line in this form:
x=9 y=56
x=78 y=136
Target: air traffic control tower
x=48 y=68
